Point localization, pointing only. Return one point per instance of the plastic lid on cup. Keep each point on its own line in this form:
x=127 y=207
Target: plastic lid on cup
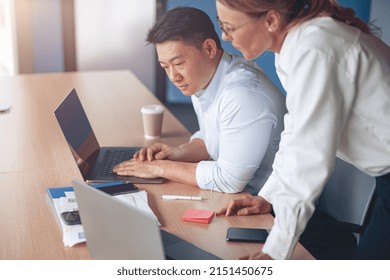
x=152 y=109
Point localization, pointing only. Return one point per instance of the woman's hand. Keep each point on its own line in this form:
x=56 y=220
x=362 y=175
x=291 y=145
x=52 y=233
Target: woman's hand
x=257 y=256
x=246 y=206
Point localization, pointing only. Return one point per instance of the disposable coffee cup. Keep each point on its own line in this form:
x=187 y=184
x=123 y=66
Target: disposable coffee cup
x=152 y=116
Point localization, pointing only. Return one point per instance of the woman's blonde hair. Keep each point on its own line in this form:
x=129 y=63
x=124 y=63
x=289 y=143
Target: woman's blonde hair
x=298 y=11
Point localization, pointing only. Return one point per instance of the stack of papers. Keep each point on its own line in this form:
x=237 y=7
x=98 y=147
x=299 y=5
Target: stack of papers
x=198 y=216
x=64 y=200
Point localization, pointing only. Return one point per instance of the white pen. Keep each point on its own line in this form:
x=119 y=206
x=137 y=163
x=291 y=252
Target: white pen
x=182 y=197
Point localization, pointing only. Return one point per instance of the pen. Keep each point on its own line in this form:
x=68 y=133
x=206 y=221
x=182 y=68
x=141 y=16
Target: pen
x=182 y=197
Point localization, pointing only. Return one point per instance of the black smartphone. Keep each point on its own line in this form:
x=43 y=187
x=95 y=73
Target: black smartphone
x=119 y=189
x=256 y=235
x=71 y=218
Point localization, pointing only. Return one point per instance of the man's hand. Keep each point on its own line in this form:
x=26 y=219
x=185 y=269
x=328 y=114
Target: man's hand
x=246 y=206
x=158 y=151
x=143 y=169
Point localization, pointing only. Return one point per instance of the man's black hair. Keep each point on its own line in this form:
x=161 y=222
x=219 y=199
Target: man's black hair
x=187 y=24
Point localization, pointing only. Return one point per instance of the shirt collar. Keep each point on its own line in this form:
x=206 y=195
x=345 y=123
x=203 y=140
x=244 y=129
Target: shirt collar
x=283 y=59
x=290 y=43
x=206 y=96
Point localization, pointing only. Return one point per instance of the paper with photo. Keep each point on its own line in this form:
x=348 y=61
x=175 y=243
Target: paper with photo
x=74 y=234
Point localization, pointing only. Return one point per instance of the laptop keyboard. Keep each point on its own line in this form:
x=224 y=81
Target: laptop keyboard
x=113 y=157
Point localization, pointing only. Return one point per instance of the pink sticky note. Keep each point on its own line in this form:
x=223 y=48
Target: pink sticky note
x=198 y=216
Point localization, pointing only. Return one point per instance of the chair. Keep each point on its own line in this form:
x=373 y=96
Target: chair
x=347 y=196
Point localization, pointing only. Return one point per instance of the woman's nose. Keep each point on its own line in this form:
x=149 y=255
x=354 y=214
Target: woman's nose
x=225 y=37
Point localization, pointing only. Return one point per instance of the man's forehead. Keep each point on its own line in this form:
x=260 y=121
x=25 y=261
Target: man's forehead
x=171 y=50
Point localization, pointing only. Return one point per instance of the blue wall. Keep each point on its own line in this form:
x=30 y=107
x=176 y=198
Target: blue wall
x=361 y=7
x=266 y=60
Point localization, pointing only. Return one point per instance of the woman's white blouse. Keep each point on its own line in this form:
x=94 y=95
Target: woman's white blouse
x=337 y=81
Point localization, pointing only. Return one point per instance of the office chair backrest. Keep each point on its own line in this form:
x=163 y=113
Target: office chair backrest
x=347 y=195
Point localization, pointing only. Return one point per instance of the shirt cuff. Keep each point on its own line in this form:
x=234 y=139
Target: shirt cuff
x=204 y=174
x=197 y=134
x=280 y=244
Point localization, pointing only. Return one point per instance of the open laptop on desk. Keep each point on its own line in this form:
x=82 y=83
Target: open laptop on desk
x=95 y=162
x=115 y=230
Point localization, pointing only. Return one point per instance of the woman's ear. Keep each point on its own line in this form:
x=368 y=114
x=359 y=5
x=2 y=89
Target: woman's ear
x=273 y=21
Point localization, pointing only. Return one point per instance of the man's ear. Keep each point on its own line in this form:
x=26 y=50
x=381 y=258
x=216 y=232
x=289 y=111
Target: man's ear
x=211 y=47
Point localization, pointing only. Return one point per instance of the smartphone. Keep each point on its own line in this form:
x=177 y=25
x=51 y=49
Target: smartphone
x=71 y=218
x=256 y=235
x=119 y=189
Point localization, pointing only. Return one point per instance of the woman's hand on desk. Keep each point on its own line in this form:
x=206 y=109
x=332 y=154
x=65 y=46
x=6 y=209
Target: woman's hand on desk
x=246 y=206
x=257 y=256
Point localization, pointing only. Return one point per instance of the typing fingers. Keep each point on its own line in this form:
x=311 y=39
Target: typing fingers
x=136 y=155
x=140 y=155
x=137 y=168
x=129 y=168
x=122 y=168
x=154 y=150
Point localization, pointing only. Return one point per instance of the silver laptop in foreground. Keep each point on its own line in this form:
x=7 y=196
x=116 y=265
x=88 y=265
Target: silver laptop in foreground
x=116 y=231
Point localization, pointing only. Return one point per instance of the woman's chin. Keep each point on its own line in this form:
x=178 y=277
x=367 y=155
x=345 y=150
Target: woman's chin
x=250 y=56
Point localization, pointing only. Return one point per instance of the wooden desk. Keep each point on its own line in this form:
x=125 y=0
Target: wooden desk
x=35 y=156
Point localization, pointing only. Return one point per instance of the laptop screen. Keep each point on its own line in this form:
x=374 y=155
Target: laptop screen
x=77 y=131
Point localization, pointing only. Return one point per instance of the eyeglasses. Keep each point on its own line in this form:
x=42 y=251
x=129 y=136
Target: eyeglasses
x=230 y=30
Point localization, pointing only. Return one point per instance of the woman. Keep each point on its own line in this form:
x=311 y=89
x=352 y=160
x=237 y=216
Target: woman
x=336 y=75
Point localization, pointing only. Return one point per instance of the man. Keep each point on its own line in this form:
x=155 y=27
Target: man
x=240 y=112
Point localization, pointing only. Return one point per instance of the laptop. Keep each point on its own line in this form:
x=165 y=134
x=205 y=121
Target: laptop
x=117 y=231
x=95 y=162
